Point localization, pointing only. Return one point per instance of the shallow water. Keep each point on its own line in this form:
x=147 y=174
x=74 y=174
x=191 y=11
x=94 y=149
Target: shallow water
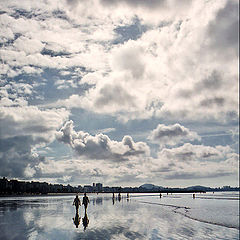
x=143 y=216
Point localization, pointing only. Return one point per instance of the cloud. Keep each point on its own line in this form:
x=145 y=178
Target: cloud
x=196 y=161
x=224 y=29
x=16 y=156
x=29 y=46
x=158 y=60
x=130 y=60
x=189 y=152
x=184 y=163
x=101 y=146
x=23 y=129
x=29 y=120
x=172 y=134
x=149 y=4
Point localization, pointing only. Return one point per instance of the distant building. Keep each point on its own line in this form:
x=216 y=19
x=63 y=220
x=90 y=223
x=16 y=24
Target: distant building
x=99 y=187
x=88 y=188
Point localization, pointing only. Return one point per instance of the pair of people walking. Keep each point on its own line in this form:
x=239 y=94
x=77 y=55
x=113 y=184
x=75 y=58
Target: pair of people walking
x=77 y=202
x=77 y=218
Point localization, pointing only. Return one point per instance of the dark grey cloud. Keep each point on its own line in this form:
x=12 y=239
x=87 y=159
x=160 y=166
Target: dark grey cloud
x=212 y=82
x=23 y=129
x=224 y=29
x=100 y=146
x=16 y=156
x=213 y=102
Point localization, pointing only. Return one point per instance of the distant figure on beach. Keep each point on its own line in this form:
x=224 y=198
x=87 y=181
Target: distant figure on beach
x=77 y=202
x=85 y=221
x=160 y=195
x=119 y=197
x=76 y=220
x=127 y=195
x=113 y=196
x=193 y=196
x=85 y=201
x=113 y=200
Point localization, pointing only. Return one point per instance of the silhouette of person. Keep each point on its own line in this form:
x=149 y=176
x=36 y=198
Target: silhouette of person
x=193 y=196
x=113 y=200
x=85 y=201
x=77 y=202
x=77 y=219
x=160 y=195
x=119 y=197
x=127 y=195
x=85 y=221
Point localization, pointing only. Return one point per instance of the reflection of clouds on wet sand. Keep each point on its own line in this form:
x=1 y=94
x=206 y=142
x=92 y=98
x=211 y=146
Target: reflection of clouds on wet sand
x=52 y=218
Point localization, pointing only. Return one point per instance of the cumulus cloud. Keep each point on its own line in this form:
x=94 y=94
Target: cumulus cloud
x=23 y=128
x=101 y=146
x=172 y=134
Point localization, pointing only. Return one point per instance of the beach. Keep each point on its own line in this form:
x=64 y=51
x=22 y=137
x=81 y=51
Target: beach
x=141 y=216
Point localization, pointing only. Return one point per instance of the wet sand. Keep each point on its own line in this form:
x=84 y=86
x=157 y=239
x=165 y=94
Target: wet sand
x=139 y=217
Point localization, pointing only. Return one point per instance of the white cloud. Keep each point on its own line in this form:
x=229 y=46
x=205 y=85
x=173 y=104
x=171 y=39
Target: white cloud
x=172 y=134
x=29 y=46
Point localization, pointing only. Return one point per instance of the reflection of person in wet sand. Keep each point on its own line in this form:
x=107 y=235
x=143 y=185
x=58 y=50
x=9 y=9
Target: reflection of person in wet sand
x=77 y=219
x=85 y=221
x=77 y=202
x=85 y=201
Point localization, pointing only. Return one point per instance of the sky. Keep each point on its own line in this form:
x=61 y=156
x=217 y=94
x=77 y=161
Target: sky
x=122 y=92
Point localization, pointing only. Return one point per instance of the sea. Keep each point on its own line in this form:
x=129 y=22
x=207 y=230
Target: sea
x=139 y=216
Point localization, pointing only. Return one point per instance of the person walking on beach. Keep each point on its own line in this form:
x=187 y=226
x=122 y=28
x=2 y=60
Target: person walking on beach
x=119 y=197
x=85 y=201
x=77 y=202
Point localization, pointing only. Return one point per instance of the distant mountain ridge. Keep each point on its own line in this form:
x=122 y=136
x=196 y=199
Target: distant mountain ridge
x=149 y=186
